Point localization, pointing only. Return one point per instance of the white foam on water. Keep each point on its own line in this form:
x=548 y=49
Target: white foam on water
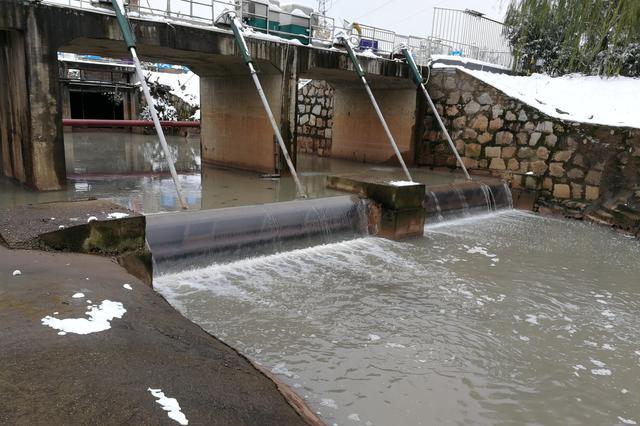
x=328 y=402
x=242 y=278
x=78 y=295
x=624 y=391
x=373 y=337
x=601 y=372
x=524 y=338
x=170 y=405
x=607 y=313
x=354 y=417
x=483 y=251
x=100 y=318
x=627 y=421
x=395 y=345
x=597 y=363
x=127 y=286
x=532 y=319
x=579 y=367
x=608 y=347
x=281 y=368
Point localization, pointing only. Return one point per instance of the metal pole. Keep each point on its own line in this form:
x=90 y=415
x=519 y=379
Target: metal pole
x=156 y=124
x=131 y=44
x=418 y=80
x=236 y=26
x=360 y=73
x=283 y=147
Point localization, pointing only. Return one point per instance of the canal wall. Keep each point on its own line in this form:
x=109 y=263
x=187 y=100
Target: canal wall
x=572 y=169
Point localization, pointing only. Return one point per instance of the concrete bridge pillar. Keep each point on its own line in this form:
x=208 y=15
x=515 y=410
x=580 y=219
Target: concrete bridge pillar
x=357 y=132
x=236 y=131
x=31 y=141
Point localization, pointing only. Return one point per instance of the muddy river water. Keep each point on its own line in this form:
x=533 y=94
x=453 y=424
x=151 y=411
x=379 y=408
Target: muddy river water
x=504 y=319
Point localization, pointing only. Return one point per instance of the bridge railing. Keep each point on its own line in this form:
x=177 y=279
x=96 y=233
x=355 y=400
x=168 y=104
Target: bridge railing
x=455 y=32
x=469 y=34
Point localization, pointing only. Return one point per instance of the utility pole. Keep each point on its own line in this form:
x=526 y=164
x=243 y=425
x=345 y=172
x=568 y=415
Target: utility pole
x=322 y=7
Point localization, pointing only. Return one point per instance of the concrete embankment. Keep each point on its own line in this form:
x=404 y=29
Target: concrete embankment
x=103 y=377
x=85 y=342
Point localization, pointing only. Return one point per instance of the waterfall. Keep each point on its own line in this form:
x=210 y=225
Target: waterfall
x=185 y=240
x=446 y=202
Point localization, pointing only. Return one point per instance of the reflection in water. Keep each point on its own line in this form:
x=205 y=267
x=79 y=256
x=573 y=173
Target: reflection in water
x=503 y=319
x=124 y=152
x=129 y=169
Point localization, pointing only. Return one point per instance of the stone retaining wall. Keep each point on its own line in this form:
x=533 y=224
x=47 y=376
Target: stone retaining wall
x=574 y=169
x=315 y=118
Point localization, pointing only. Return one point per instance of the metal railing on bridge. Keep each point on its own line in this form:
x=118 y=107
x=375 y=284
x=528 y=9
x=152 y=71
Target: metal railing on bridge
x=469 y=34
x=455 y=32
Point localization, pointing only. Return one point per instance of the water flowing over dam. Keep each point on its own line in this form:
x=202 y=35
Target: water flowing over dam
x=446 y=202
x=465 y=325
x=181 y=240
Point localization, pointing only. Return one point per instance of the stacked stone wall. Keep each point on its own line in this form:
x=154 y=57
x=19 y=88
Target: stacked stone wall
x=315 y=118
x=574 y=169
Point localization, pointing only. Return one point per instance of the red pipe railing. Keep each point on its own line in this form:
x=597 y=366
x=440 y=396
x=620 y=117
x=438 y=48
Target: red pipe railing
x=125 y=123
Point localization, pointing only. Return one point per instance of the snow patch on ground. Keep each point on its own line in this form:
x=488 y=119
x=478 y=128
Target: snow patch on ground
x=78 y=295
x=402 y=183
x=586 y=99
x=99 y=319
x=170 y=405
x=17 y=273
x=127 y=286
x=117 y=215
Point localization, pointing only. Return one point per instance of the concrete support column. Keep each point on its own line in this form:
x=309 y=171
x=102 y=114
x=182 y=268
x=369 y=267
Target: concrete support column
x=357 y=132
x=235 y=129
x=32 y=141
x=14 y=108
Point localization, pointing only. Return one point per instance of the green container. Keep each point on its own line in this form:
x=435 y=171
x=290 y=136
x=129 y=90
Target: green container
x=256 y=14
x=295 y=27
x=258 y=23
x=274 y=20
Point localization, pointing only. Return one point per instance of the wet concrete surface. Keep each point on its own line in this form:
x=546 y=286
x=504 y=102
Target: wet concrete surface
x=21 y=226
x=103 y=377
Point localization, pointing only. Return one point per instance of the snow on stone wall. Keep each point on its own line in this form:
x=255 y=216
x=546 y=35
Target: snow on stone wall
x=575 y=169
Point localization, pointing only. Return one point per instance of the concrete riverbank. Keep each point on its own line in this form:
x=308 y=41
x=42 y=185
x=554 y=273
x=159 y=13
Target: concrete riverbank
x=104 y=377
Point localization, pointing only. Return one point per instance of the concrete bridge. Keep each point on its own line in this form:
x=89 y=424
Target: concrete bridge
x=235 y=130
